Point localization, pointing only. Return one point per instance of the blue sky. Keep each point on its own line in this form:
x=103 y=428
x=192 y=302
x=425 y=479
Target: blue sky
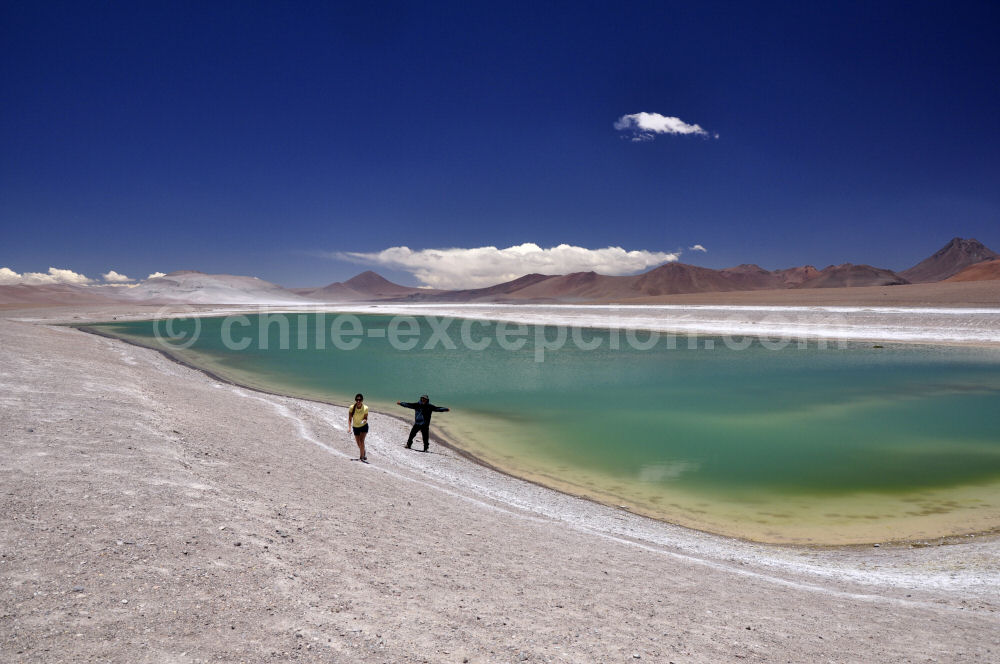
x=262 y=139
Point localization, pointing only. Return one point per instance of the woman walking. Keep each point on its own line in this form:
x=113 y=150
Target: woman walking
x=357 y=421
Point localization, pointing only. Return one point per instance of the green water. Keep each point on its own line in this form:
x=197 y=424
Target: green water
x=814 y=444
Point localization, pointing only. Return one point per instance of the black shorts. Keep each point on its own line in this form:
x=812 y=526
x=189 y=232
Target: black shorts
x=360 y=430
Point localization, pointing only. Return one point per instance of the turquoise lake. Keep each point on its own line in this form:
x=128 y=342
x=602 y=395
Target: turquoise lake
x=809 y=443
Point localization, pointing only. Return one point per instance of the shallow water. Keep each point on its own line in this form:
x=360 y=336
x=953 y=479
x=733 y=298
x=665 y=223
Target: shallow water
x=822 y=443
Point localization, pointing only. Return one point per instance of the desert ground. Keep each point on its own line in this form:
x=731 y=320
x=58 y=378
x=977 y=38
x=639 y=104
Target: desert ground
x=154 y=514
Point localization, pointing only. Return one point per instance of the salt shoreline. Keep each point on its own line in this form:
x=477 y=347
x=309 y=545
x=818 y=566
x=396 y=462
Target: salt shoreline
x=945 y=585
x=975 y=326
x=978 y=522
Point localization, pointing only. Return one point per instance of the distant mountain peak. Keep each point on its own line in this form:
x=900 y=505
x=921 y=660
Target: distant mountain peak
x=364 y=286
x=958 y=254
x=368 y=279
x=970 y=246
x=973 y=242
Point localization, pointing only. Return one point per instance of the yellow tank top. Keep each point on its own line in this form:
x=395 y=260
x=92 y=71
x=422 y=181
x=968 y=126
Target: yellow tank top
x=360 y=415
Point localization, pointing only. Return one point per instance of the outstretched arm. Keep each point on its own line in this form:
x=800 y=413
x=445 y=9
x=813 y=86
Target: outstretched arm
x=405 y=404
x=440 y=409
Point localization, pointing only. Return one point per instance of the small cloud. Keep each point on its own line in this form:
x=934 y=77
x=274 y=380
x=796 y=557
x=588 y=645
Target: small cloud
x=53 y=276
x=156 y=275
x=486 y=266
x=115 y=278
x=643 y=126
x=698 y=247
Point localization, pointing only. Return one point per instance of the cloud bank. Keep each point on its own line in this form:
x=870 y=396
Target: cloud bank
x=486 y=266
x=53 y=276
x=644 y=126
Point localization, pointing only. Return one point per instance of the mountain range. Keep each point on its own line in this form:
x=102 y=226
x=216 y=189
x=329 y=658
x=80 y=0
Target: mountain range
x=950 y=262
x=960 y=260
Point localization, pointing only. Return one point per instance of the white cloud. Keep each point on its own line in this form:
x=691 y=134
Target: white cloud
x=486 y=266
x=156 y=275
x=643 y=126
x=53 y=276
x=115 y=278
x=8 y=276
x=698 y=247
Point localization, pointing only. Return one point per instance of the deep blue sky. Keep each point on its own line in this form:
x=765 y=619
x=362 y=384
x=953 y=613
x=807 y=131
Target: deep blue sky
x=245 y=137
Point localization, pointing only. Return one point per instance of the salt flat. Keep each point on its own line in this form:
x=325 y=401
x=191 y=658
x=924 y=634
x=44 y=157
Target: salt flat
x=976 y=325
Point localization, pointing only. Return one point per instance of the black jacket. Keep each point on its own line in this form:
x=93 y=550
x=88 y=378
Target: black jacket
x=424 y=410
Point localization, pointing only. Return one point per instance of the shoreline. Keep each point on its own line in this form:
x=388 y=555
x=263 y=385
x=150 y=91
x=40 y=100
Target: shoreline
x=443 y=438
x=574 y=489
x=228 y=521
x=842 y=330
x=447 y=442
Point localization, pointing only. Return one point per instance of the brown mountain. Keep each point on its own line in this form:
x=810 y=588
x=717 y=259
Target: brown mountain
x=840 y=276
x=951 y=259
x=580 y=287
x=508 y=290
x=984 y=271
x=366 y=286
x=666 y=279
x=674 y=278
x=376 y=284
x=752 y=277
x=793 y=276
x=669 y=279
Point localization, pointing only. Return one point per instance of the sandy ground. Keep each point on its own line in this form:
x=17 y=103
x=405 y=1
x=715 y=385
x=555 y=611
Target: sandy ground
x=153 y=514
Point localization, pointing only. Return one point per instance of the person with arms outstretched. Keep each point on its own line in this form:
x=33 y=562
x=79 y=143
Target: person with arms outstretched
x=421 y=419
